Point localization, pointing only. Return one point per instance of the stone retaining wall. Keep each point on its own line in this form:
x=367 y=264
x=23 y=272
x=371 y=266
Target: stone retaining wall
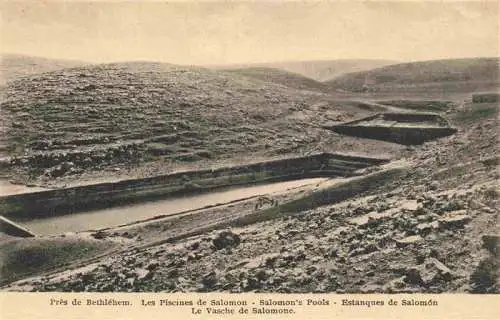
x=65 y=201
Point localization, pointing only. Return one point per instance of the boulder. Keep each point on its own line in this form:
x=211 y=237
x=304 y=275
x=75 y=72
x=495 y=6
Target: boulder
x=490 y=243
x=454 y=220
x=226 y=239
x=401 y=243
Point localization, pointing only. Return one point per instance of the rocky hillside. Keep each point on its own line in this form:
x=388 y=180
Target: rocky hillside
x=454 y=73
x=434 y=230
x=124 y=115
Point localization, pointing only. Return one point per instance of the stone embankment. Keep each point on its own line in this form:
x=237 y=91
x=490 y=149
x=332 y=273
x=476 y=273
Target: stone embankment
x=63 y=201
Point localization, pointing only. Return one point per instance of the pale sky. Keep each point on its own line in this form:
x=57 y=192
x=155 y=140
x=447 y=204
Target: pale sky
x=243 y=32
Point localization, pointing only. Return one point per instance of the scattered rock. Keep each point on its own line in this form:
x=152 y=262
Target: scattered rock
x=435 y=271
x=364 y=250
x=371 y=219
x=395 y=285
x=440 y=266
x=152 y=266
x=432 y=272
x=434 y=185
x=414 y=277
x=128 y=235
x=401 y=243
x=250 y=284
x=100 y=234
x=194 y=246
x=292 y=232
x=451 y=205
x=484 y=279
x=226 y=239
x=411 y=205
x=209 y=280
x=425 y=228
x=491 y=243
x=455 y=219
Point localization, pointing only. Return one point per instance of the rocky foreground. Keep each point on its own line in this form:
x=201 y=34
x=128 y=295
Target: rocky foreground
x=435 y=230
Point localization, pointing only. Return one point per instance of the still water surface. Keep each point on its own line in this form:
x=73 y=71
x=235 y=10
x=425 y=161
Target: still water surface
x=104 y=218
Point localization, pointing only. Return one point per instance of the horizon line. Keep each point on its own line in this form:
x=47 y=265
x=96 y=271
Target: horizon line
x=27 y=55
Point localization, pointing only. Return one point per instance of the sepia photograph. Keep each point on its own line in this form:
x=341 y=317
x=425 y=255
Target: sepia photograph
x=230 y=147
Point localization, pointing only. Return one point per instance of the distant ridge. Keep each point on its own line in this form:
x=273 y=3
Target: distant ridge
x=320 y=70
x=437 y=72
x=279 y=76
x=15 y=66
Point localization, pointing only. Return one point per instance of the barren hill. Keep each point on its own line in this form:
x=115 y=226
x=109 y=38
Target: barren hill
x=120 y=115
x=320 y=70
x=278 y=76
x=451 y=73
x=14 y=66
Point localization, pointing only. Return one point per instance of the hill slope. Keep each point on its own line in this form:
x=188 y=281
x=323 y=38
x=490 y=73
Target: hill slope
x=278 y=76
x=121 y=115
x=479 y=71
x=320 y=70
x=15 y=66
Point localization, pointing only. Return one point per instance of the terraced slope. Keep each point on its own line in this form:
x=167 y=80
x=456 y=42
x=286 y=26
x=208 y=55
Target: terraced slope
x=125 y=115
